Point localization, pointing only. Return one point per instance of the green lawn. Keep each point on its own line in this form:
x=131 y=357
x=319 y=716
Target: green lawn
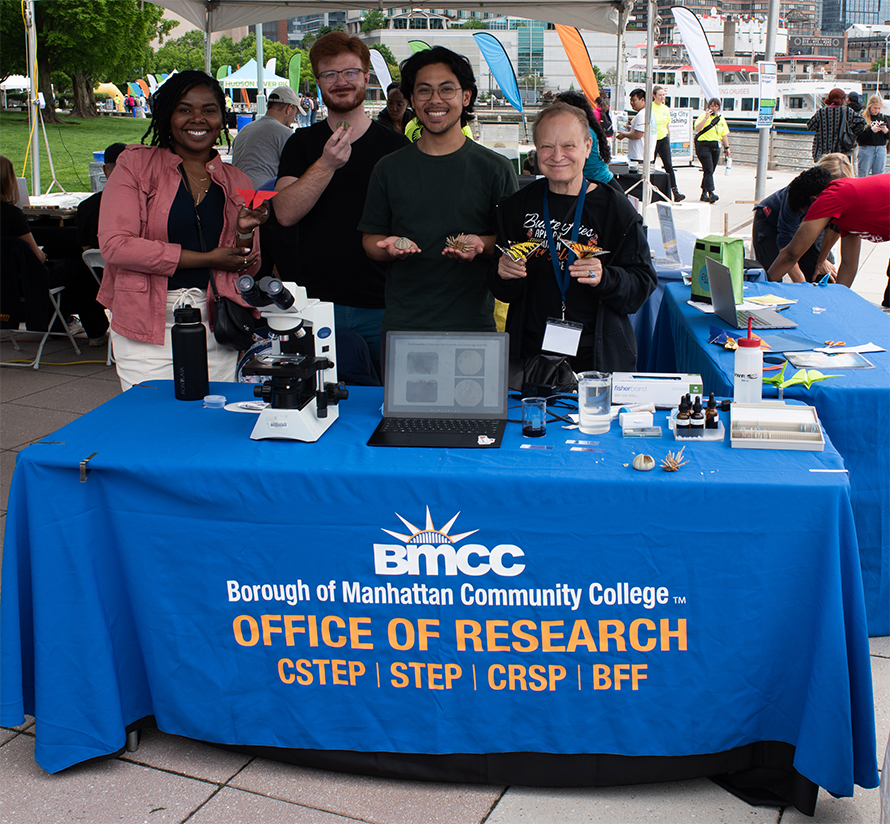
x=72 y=145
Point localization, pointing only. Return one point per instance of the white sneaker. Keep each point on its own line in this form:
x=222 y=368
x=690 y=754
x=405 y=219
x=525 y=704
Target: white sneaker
x=75 y=327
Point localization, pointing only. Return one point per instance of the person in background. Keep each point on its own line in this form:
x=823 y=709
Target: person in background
x=257 y=148
x=827 y=121
x=856 y=208
x=661 y=114
x=442 y=186
x=776 y=219
x=311 y=107
x=395 y=115
x=605 y=117
x=872 y=140
x=171 y=219
x=302 y=112
x=530 y=164
x=596 y=166
x=79 y=296
x=88 y=210
x=710 y=131
x=322 y=182
x=599 y=293
x=636 y=130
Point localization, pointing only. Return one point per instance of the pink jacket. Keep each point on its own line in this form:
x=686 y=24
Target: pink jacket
x=133 y=238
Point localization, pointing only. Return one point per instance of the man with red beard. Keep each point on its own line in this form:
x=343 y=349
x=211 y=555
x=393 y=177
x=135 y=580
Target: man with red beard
x=440 y=188
x=322 y=180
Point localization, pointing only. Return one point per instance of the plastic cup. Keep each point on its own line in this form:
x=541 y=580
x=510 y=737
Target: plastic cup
x=594 y=402
x=534 y=417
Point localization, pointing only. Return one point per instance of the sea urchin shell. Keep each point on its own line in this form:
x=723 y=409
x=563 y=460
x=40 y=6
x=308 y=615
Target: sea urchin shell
x=644 y=462
x=461 y=243
x=673 y=461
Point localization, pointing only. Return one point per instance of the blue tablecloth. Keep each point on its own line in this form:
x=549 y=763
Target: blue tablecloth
x=336 y=596
x=644 y=320
x=853 y=408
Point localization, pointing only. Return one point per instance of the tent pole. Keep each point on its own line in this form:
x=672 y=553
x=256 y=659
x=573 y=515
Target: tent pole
x=260 y=88
x=620 y=66
x=647 y=136
x=34 y=101
x=207 y=32
x=763 y=141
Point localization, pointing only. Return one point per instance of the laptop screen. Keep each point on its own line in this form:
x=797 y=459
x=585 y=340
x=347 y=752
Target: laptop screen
x=446 y=375
x=722 y=295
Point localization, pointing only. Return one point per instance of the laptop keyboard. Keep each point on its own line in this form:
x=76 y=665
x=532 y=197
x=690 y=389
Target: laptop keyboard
x=457 y=426
x=756 y=321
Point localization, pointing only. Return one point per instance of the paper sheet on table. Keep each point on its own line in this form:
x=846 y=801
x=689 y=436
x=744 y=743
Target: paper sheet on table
x=770 y=300
x=860 y=349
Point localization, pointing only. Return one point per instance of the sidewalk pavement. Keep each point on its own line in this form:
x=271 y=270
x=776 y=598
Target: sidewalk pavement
x=172 y=779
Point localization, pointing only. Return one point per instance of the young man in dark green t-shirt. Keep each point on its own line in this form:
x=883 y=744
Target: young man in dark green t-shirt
x=444 y=185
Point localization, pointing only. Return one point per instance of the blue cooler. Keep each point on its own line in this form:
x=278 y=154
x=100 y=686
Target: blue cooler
x=244 y=120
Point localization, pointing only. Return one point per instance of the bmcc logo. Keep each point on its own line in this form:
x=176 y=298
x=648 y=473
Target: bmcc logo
x=432 y=546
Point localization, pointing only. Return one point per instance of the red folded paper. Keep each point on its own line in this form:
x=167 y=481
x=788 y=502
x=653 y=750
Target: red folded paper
x=253 y=199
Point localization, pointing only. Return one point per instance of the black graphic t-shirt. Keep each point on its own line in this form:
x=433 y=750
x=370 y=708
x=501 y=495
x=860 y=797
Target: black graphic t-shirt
x=332 y=264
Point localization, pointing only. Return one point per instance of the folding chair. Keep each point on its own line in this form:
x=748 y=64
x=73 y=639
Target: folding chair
x=94 y=260
x=24 y=279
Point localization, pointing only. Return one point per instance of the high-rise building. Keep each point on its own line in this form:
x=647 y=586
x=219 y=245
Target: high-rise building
x=839 y=15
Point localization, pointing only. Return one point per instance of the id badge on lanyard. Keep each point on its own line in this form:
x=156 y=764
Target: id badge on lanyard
x=563 y=336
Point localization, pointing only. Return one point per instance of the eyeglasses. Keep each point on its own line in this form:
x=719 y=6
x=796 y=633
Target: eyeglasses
x=348 y=75
x=444 y=92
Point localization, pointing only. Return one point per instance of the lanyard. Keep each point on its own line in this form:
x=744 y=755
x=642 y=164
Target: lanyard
x=563 y=278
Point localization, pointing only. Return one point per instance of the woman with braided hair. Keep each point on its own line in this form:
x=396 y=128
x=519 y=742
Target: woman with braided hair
x=172 y=219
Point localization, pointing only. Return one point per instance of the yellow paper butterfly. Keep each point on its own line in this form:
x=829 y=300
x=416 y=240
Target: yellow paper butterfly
x=520 y=251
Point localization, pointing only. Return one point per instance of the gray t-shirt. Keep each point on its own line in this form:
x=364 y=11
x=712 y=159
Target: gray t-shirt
x=257 y=149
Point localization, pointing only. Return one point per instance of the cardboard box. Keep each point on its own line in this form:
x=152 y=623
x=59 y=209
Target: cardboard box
x=660 y=388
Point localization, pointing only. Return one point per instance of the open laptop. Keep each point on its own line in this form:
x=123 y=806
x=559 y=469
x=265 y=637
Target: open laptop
x=723 y=299
x=444 y=389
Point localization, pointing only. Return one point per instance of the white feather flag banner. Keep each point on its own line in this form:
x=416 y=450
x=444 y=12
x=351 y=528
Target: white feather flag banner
x=384 y=78
x=696 y=42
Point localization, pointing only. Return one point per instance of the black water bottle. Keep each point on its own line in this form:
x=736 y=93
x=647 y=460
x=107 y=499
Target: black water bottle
x=189 y=354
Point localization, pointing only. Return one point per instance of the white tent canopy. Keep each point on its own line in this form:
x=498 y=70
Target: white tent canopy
x=218 y=15
x=15 y=82
x=245 y=78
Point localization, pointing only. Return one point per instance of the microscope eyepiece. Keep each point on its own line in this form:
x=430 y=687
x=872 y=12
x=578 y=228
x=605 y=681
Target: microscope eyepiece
x=250 y=291
x=275 y=290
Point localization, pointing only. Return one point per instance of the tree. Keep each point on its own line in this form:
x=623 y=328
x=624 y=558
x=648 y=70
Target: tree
x=600 y=77
x=472 y=23
x=182 y=53
x=85 y=42
x=374 y=20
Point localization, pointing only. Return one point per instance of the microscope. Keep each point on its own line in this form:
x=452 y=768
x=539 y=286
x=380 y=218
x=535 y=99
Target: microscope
x=302 y=389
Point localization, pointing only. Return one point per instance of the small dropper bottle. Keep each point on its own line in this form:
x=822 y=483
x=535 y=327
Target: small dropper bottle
x=712 y=416
x=696 y=419
x=682 y=422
